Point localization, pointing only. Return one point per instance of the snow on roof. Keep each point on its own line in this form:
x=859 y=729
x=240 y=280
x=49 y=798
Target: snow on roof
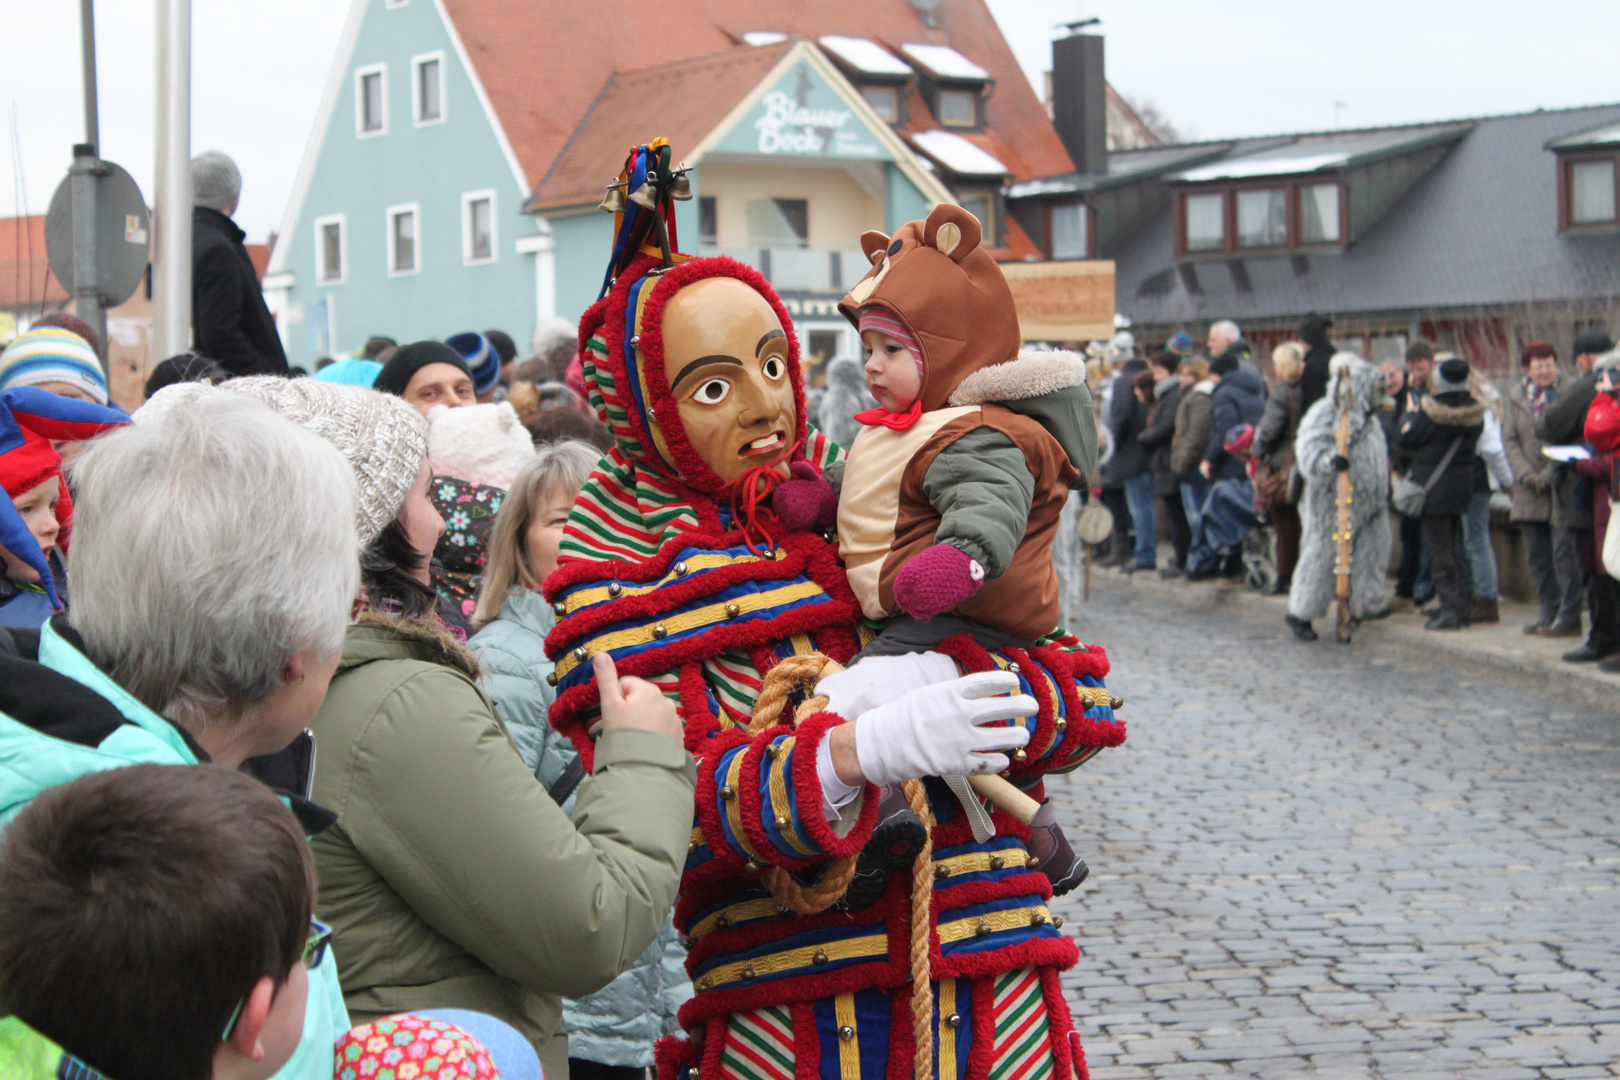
x=945 y=61
x=1596 y=137
x=865 y=55
x=763 y=37
x=957 y=154
x=1271 y=166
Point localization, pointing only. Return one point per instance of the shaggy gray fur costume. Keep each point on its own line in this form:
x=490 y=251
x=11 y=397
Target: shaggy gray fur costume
x=1312 y=591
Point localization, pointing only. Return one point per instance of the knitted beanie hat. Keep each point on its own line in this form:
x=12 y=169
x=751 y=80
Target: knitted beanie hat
x=1450 y=375
x=481 y=359
x=383 y=438
x=481 y=444
x=887 y=322
x=407 y=360
x=215 y=180
x=53 y=355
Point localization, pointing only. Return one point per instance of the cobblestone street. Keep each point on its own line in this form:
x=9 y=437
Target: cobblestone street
x=1348 y=862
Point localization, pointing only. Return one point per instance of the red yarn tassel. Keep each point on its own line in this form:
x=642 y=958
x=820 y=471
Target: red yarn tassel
x=749 y=495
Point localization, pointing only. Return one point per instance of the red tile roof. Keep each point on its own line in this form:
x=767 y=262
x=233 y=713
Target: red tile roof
x=260 y=254
x=641 y=105
x=25 y=276
x=544 y=64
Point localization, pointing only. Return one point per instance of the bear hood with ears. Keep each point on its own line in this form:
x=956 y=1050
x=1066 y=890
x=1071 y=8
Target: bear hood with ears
x=947 y=291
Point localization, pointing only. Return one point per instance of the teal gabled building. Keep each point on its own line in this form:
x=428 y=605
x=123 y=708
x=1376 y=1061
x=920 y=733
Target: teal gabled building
x=452 y=177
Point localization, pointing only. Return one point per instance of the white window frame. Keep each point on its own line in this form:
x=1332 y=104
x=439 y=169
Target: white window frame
x=1082 y=215
x=467 y=199
x=321 y=275
x=417 y=61
x=415 y=210
x=360 y=74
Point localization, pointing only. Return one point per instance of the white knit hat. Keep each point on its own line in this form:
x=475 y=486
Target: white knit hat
x=481 y=444
x=383 y=438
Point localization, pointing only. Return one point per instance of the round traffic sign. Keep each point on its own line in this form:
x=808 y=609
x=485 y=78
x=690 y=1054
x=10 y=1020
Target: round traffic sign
x=123 y=234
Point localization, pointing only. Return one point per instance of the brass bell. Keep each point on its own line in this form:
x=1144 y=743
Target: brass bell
x=782 y=822
x=983 y=928
x=1037 y=919
x=997 y=862
x=820 y=959
x=614 y=588
x=747 y=973
x=646 y=196
x=559 y=608
x=846 y=1032
x=1061 y=723
x=954 y=1020
x=1057 y=922
x=580 y=653
x=753 y=867
x=551 y=679
x=680 y=569
x=728 y=793
x=732 y=610
x=613 y=201
x=1014 y=668
x=1019 y=755
x=659 y=631
x=723 y=922
x=680 y=187
x=941 y=871
x=1115 y=702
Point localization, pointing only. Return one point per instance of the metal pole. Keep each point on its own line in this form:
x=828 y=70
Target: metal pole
x=171 y=254
x=87 y=30
x=85 y=284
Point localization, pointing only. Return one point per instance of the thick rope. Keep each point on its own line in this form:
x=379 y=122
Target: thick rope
x=780 y=682
x=922 y=901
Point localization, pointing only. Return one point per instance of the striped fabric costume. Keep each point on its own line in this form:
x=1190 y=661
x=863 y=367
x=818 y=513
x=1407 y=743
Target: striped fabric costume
x=691 y=583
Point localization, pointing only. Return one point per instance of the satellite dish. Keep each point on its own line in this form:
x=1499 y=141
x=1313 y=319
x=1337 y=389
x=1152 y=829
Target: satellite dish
x=926 y=9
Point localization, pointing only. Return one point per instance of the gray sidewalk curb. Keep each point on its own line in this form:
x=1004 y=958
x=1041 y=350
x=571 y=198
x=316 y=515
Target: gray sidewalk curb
x=1533 y=666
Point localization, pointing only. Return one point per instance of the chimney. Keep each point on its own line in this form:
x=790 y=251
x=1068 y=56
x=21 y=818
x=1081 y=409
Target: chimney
x=1080 y=100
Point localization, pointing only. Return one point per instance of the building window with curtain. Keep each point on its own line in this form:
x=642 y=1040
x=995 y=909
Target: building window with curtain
x=1070 y=232
x=1262 y=218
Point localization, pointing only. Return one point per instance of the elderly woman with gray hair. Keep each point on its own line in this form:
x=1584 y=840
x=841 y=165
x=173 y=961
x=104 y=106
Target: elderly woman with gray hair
x=213 y=569
x=452 y=880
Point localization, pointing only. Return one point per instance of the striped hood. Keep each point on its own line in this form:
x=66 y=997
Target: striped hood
x=652 y=567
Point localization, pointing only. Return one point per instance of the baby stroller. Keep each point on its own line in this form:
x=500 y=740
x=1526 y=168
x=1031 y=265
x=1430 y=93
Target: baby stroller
x=1259 y=543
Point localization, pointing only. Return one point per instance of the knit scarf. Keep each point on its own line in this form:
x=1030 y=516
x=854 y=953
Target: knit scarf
x=662 y=564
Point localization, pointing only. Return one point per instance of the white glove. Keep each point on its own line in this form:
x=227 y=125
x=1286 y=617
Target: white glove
x=935 y=731
x=878 y=680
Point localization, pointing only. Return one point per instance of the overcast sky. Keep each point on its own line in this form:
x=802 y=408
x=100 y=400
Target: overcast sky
x=1213 y=67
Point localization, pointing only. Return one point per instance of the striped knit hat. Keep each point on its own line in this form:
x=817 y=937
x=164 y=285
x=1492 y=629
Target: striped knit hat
x=482 y=359
x=887 y=322
x=53 y=355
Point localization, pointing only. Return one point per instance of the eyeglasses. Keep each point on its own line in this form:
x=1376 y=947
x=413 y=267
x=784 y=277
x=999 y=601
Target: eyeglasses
x=320 y=935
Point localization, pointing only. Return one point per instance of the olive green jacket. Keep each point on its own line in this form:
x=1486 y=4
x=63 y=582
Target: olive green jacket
x=452 y=880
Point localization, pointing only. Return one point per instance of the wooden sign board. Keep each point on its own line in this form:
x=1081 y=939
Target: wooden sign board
x=1063 y=301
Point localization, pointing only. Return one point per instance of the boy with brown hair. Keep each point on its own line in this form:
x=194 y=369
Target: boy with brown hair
x=156 y=924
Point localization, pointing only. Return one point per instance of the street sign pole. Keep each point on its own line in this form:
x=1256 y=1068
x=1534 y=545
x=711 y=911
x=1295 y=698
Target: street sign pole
x=171 y=256
x=87 y=31
x=86 y=284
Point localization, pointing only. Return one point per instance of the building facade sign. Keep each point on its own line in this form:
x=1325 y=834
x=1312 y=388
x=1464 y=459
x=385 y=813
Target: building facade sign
x=802 y=116
x=1063 y=301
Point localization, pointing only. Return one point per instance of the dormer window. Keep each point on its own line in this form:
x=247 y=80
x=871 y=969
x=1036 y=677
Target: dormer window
x=1071 y=231
x=1255 y=217
x=885 y=101
x=1591 y=191
x=1589 y=179
x=1319 y=214
x=958 y=108
x=952 y=84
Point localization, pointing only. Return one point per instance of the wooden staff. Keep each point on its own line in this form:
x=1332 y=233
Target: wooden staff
x=1345 y=523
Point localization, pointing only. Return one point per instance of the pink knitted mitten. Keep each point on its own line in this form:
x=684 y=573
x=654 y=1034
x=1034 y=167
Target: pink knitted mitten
x=805 y=501
x=936 y=580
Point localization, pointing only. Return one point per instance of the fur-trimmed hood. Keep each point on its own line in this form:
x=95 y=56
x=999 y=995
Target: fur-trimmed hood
x=1048 y=387
x=1459 y=410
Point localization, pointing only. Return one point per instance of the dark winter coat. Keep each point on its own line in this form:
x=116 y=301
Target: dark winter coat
x=1239 y=398
x=1157 y=437
x=1313 y=381
x=1127 y=418
x=230 y=322
x=1428 y=432
x=1563 y=423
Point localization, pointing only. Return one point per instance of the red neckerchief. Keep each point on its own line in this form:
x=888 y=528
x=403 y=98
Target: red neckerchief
x=894 y=421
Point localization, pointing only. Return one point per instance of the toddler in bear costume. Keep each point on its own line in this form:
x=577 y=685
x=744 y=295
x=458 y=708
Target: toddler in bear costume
x=948 y=501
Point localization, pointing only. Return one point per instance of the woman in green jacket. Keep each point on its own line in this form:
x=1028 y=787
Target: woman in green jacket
x=452 y=880
x=611 y=1032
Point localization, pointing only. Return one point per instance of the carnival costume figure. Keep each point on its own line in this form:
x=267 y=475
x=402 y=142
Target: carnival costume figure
x=674 y=562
